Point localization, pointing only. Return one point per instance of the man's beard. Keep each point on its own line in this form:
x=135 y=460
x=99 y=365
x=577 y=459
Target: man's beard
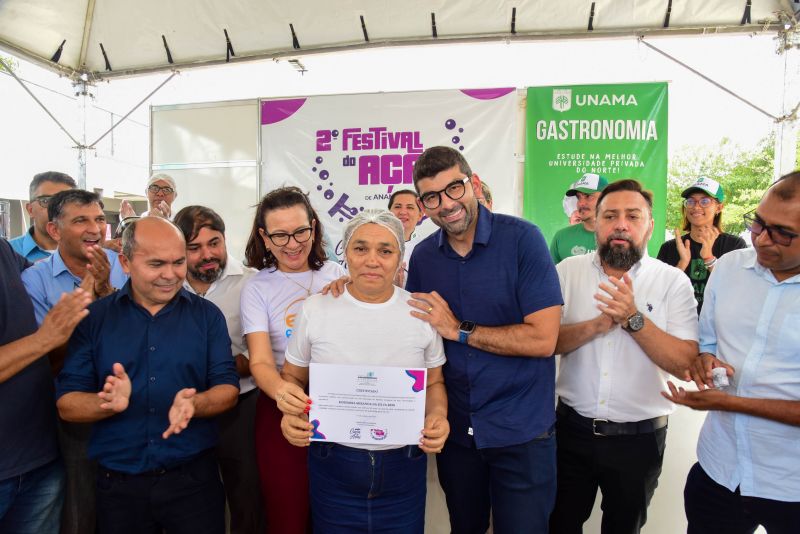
x=211 y=275
x=458 y=227
x=619 y=256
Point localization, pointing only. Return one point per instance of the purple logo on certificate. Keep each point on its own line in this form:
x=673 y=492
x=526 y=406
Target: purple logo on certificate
x=419 y=379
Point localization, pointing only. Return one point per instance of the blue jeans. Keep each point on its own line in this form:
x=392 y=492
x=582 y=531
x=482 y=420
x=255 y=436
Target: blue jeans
x=31 y=503
x=517 y=482
x=354 y=490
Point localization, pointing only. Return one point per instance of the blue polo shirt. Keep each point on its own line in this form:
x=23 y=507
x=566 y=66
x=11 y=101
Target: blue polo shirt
x=494 y=401
x=48 y=279
x=26 y=246
x=27 y=408
x=184 y=345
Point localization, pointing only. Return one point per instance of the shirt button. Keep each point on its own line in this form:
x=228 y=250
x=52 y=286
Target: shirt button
x=152 y=349
x=152 y=410
x=152 y=379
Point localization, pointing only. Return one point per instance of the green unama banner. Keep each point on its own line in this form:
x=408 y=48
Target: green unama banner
x=618 y=131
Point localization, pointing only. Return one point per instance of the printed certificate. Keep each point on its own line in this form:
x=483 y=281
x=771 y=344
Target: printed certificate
x=367 y=404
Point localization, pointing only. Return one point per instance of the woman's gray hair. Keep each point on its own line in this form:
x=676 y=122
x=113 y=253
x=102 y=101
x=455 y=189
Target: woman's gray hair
x=384 y=218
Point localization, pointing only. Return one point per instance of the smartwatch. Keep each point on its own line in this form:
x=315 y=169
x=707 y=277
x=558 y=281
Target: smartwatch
x=464 y=330
x=635 y=322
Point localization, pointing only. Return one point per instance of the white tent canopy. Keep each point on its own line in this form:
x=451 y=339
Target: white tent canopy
x=108 y=38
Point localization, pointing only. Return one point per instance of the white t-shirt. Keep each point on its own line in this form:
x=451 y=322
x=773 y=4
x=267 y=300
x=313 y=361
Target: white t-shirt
x=272 y=299
x=347 y=331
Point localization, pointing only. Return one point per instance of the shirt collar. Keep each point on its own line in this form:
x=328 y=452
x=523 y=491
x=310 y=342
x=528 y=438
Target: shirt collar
x=632 y=272
x=233 y=267
x=29 y=243
x=483 y=229
x=58 y=264
x=752 y=263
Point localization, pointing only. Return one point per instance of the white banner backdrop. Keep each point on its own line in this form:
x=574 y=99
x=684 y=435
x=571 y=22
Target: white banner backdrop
x=349 y=152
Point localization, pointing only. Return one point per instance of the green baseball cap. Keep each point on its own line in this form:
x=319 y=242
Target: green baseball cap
x=705 y=185
x=588 y=184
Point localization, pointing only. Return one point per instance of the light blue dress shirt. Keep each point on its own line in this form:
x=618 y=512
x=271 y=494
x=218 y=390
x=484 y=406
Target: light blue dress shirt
x=752 y=321
x=26 y=246
x=48 y=279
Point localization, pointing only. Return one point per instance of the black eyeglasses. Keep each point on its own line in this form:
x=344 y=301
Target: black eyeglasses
x=43 y=200
x=301 y=235
x=777 y=235
x=454 y=191
x=156 y=188
x=703 y=202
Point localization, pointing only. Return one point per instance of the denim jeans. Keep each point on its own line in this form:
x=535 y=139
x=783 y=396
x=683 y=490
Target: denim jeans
x=31 y=503
x=354 y=490
x=517 y=482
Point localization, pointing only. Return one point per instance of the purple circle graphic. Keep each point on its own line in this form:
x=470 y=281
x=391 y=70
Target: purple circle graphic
x=328 y=194
x=461 y=147
x=319 y=188
x=449 y=124
x=319 y=159
x=361 y=208
x=335 y=133
x=456 y=139
x=323 y=174
x=461 y=130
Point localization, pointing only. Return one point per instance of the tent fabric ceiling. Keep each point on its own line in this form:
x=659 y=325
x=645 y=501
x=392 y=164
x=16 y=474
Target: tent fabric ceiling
x=194 y=30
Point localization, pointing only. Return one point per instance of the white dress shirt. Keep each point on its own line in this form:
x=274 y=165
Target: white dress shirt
x=225 y=294
x=611 y=377
x=752 y=321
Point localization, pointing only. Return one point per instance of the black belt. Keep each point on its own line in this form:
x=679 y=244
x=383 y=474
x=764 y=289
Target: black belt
x=111 y=473
x=604 y=427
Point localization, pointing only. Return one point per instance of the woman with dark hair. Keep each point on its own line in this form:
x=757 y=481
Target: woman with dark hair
x=696 y=253
x=285 y=244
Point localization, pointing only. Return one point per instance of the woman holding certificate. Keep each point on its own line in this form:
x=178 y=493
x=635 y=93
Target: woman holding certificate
x=372 y=486
x=285 y=244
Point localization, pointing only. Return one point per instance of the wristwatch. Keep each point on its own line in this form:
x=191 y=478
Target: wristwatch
x=464 y=330
x=634 y=323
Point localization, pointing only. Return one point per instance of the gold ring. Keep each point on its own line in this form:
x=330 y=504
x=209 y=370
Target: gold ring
x=280 y=397
x=430 y=309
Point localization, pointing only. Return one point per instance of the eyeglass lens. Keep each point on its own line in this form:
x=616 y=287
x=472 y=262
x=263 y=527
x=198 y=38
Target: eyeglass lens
x=454 y=191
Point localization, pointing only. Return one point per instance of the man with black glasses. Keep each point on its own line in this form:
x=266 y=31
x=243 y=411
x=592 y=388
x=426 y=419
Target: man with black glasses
x=487 y=284
x=747 y=472
x=36 y=244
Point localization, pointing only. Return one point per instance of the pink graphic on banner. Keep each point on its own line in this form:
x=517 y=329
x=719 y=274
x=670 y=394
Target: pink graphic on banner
x=487 y=94
x=273 y=111
x=316 y=433
x=419 y=379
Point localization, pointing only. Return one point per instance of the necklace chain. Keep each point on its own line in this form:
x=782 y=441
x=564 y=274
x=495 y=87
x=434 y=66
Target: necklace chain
x=295 y=282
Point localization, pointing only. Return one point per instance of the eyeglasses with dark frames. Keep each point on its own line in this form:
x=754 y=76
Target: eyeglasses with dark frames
x=703 y=202
x=155 y=189
x=454 y=191
x=43 y=200
x=301 y=235
x=777 y=235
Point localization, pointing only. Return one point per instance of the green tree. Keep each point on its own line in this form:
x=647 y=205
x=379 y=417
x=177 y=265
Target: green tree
x=744 y=174
x=12 y=63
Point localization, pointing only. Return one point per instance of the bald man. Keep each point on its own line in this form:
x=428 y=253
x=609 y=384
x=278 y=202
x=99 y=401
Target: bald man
x=163 y=357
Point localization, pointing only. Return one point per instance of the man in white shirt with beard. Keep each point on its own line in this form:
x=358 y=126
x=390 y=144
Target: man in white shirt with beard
x=215 y=275
x=628 y=322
